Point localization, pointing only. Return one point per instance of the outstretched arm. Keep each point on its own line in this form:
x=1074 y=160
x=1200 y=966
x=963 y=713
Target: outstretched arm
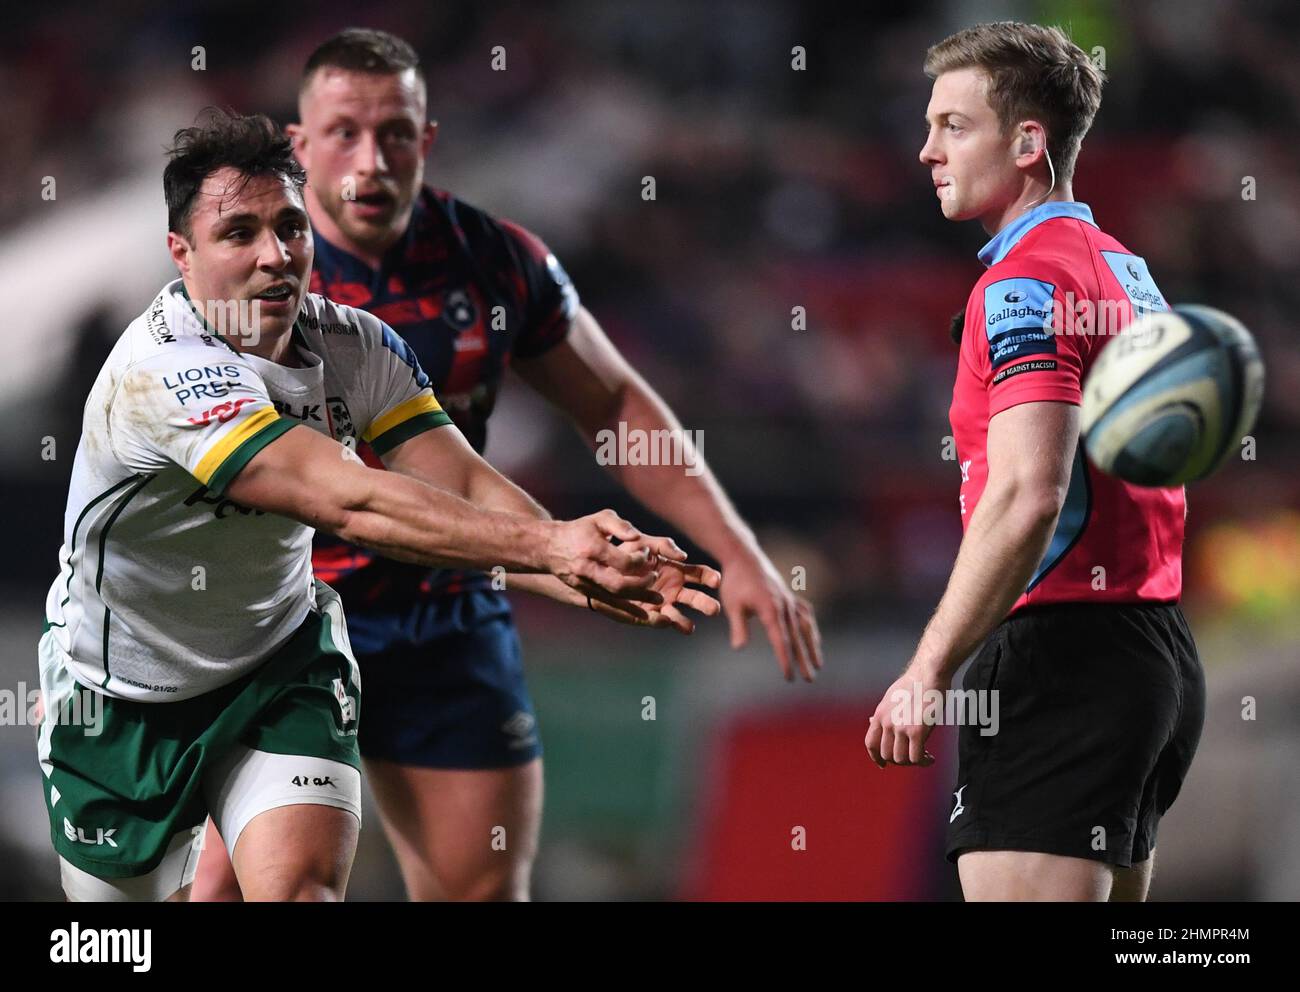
x=317 y=481
x=587 y=378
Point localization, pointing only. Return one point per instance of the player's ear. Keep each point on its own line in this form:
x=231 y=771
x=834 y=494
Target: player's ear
x=179 y=249
x=299 y=138
x=429 y=136
x=1031 y=139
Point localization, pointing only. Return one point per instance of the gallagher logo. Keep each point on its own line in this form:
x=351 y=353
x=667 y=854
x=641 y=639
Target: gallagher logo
x=222 y=412
x=1015 y=296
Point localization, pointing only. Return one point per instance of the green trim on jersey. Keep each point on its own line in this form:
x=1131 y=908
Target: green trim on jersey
x=241 y=456
x=72 y=546
x=407 y=429
x=99 y=575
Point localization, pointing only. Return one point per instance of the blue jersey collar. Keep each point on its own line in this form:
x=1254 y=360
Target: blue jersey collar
x=1001 y=244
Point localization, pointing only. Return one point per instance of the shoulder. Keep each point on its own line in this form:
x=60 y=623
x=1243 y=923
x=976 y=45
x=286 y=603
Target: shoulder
x=170 y=333
x=483 y=230
x=324 y=319
x=337 y=329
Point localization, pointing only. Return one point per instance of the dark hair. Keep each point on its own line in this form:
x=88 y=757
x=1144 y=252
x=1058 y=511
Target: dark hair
x=252 y=145
x=1033 y=71
x=363 y=50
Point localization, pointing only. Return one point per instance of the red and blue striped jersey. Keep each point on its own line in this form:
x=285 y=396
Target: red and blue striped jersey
x=468 y=292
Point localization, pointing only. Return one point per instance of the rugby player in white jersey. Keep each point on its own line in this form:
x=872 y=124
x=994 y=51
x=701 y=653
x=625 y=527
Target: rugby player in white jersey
x=186 y=607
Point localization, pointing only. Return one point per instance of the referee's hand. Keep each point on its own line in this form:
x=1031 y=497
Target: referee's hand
x=898 y=731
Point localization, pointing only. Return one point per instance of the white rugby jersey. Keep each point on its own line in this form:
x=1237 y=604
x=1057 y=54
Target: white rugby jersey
x=167 y=589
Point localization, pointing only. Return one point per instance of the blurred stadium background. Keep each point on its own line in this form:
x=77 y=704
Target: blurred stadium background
x=775 y=189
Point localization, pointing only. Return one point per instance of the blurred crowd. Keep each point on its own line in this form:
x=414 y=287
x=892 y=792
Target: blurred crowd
x=790 y=285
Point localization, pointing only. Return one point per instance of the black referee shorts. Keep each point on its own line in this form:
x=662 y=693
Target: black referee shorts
x=1099 y=709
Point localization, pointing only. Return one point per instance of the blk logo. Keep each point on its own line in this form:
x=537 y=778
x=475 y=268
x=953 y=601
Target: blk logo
x=78 y=835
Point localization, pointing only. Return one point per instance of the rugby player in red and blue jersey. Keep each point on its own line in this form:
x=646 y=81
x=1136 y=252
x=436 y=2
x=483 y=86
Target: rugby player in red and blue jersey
x=1067 y=580
x=450 y=741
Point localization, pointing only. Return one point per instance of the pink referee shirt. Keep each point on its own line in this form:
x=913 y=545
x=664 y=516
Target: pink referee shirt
x=1056 y=290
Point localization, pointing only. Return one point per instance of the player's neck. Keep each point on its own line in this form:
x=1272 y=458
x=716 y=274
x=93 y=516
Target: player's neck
x=274 y=347
x=277 y=348
x=324 y=226
x=1034 y=195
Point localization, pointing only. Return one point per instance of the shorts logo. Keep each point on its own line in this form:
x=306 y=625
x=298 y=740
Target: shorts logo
x=317 y=780
x=959 y=809
x=79 y=835
x=520 y=727
x=346 y=705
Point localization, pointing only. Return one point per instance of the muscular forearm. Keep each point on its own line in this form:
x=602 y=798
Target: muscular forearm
x=491 y=490
x=1006 y=540
x=403 y=518
x=692 y=501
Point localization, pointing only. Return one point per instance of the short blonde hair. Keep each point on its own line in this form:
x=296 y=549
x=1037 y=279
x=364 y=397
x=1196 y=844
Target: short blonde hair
x=1034 y=72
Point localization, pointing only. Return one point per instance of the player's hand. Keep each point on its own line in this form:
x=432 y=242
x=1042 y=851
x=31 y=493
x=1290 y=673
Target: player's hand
x=583 y=555
x=894 y=735
x=753 y=587
x=674 y=585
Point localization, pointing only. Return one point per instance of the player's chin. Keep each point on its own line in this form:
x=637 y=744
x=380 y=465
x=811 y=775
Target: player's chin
x=955 y=210
x=273 y=325
x=361 y=216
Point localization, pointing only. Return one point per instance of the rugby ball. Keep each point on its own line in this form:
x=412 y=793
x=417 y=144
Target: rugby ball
x=1169 y=399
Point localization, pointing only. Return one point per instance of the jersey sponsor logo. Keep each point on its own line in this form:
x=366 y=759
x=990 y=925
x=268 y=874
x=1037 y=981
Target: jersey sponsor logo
x=205 y=380
x=1038 y=365
x=470 y=342
x=222 y=506
x=1130 y=271
x=306 y=412
x=331 y=327
x=157 y=324
x=1017 y=318
x=222 y=412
